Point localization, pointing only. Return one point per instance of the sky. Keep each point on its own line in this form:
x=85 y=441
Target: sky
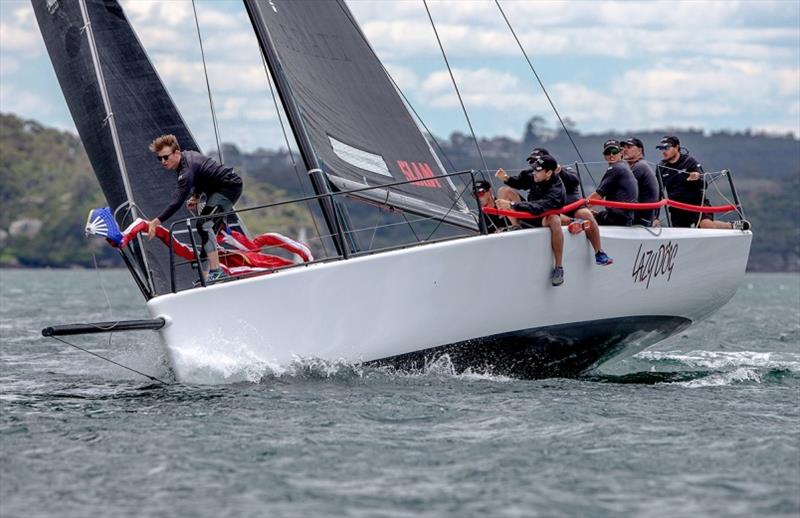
x=622 y=66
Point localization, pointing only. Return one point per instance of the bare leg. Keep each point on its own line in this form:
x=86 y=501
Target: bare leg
x=556 y=237
x=708 y=223
x=592 y=233
x=507 y=193
x=213 y=260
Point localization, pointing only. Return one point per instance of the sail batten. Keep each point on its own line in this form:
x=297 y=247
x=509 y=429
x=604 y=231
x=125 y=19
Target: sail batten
x=352 y=117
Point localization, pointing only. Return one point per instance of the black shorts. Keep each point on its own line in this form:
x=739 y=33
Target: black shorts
x=531 y=223
x=688 y=219
x=644 y=217
x=613 y=218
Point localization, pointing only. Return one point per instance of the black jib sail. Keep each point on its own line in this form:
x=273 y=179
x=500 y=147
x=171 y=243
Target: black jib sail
x=351 y=116
x=119 y=106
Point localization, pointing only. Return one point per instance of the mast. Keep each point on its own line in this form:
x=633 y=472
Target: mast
x=109 y=120
x=314 y=167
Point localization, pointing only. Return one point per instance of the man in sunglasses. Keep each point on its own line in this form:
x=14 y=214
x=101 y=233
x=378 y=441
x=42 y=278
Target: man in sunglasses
x=579 y=219
x=633 y=154
x=682 y=176
x=485 y=196
x=683 y=180
x=545 y=193
x=198 y=175
x=617 y=184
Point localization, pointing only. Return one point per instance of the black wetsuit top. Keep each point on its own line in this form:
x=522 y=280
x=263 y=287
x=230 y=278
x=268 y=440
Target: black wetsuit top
x=675 y=180
x=199 y=174
x=648 y=191
x=619 y=184
x=572 y=184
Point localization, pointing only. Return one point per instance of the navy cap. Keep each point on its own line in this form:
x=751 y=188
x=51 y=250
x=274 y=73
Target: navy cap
x=668 y=141
x=537 y=152
x=611 y=144
x=544 y=162
x=482 y=186
x=633 y=141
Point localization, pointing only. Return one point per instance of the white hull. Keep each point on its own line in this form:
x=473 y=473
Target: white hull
x=464 y=292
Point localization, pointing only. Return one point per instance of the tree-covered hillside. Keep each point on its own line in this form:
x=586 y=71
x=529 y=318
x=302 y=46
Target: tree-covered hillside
x=47 y=187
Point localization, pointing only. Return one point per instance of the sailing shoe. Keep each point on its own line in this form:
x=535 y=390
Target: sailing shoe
x=557 y=277
x=741 y=224
x=576 y=226
x=216 y=275
x=602 y=259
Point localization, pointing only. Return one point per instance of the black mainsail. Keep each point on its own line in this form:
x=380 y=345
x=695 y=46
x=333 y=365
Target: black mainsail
x=352 y=122
x=119 y=105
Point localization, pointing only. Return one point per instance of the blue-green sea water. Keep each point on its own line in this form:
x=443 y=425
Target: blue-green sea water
x=706 y=423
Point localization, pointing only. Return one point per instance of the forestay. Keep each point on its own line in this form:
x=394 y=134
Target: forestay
x=356 y=124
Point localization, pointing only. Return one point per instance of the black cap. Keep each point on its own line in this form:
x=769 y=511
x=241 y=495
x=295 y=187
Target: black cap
x=633 y=141
x=609 y=144
x=667 y=141
x=482 y=186
x=537 y=152
x=544 y=162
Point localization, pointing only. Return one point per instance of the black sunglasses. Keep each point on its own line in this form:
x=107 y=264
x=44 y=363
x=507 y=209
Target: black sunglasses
x=164 y=157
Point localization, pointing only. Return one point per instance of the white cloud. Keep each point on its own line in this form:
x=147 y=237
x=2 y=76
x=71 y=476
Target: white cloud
x=708 y=64
x=715 y=80
x=159 y=14
x=20 y=36
x=611 y=29
x=406 y=78
x=697 y=94
x=481 y=88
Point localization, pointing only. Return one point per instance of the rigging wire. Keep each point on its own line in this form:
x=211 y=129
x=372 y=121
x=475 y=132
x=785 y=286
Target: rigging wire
x=208 y=86
x=103 y=286
x=449 y=210
x=409 y=105
x=400 y=91
x=455 y=85
x=152 y=378
x=289 y=149
x=552 y=105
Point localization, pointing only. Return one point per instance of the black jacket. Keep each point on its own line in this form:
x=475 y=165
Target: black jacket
x=675 y=180
x=199 y=174
x=542 y=196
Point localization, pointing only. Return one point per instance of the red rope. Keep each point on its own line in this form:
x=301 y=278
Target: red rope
x=527 y=215
x=614 y=204
x=695 y=208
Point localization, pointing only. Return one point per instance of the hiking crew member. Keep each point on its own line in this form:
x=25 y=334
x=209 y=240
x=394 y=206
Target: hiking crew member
x=493 y=222
x=579 y=219
x=545 y=193
x=682 y=176
x=683 y=180
x=618 y=184
x=198 y=175
x=633 y=154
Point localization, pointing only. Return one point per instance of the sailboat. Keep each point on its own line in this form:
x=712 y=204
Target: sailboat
x=484 y=300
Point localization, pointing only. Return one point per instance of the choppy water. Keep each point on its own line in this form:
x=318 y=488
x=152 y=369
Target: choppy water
x=704 y=424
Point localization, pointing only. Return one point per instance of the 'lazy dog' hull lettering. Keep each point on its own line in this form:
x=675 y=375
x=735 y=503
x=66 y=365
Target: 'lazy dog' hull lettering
x=652 y=263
